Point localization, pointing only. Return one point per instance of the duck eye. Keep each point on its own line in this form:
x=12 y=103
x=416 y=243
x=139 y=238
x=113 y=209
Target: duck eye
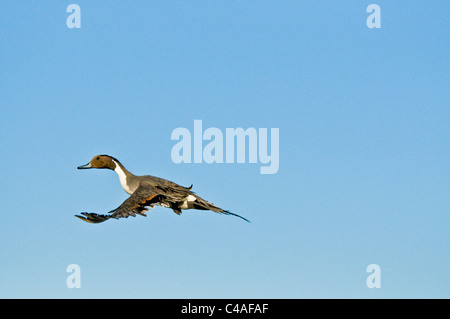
x=98 y=157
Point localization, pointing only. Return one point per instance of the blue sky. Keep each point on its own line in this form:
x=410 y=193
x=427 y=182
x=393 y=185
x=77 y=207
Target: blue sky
x=364 y=144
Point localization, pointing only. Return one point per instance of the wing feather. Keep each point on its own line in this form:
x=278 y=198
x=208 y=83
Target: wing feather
x=135 y=204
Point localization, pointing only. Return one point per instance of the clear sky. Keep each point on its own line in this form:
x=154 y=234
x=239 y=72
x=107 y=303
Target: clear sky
x=364 y=148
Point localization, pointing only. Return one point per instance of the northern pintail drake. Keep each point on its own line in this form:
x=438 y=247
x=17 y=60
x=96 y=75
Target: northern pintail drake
x=147 y=191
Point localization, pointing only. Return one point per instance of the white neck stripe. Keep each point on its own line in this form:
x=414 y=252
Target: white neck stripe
x=122 y=178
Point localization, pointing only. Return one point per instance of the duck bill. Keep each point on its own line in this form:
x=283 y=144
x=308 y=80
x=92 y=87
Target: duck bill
x=88 y=165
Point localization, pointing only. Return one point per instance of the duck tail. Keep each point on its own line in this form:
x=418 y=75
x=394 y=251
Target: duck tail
x=204 y=205
x=226 y=212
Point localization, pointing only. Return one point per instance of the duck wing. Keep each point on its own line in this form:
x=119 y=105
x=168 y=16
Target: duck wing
x=135 y=204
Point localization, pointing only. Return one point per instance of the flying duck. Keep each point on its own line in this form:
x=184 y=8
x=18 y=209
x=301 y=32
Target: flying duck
x=147 y=191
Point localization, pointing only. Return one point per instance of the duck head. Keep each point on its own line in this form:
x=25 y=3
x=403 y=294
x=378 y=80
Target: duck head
x=100 y=161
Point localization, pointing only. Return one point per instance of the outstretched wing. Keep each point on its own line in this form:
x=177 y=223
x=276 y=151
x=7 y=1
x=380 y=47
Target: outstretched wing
x=135 y=204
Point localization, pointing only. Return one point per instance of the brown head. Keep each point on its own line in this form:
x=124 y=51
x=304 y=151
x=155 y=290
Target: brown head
x=101 y=161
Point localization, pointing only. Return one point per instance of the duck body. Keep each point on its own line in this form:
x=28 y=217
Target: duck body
x=147 y=191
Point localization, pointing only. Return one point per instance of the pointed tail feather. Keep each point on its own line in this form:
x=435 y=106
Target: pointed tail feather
x=204 y=205
x=233 y=214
